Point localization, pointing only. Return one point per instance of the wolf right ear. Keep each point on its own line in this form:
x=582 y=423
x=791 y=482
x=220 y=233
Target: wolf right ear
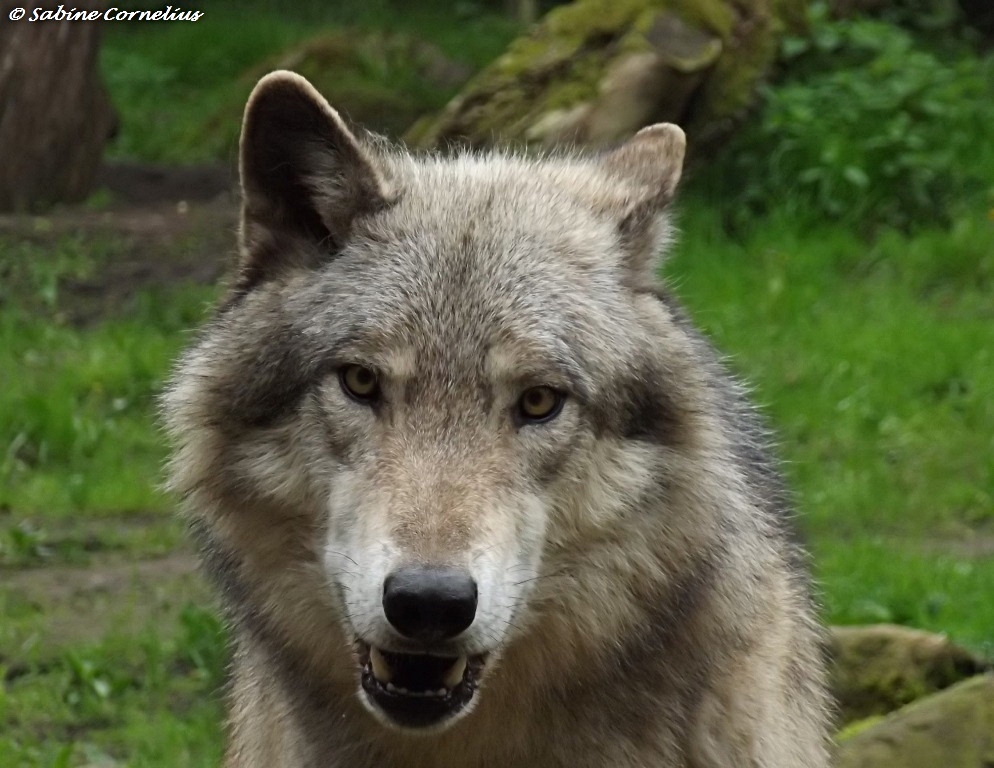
x=304 y=176
x=649 y=166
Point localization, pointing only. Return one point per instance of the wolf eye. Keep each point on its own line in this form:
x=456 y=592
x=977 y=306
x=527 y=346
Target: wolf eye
x=359 y=383
x=540 y=404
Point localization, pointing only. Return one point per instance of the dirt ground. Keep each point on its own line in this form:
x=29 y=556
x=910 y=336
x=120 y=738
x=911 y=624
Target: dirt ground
x=149 y=226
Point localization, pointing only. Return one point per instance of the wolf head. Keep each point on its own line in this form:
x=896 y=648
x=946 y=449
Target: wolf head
x=437 y=386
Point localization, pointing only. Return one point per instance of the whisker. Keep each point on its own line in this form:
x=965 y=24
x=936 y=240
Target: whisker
x=342 y=554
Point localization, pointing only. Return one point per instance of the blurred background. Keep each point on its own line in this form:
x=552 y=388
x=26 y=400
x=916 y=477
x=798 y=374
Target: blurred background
x=836 y=240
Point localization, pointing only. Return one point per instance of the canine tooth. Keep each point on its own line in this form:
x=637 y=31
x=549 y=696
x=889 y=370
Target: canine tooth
x=381 y=670
x=441 y=692
x=454 y=676
x=392 y=688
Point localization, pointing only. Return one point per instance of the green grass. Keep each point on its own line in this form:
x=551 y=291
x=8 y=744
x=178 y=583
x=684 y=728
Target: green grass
x=81 y=394
x=875 y=363
x=144 y=698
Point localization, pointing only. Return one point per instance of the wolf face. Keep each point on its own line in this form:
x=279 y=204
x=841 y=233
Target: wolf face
x=429 y=395
x=457 y=462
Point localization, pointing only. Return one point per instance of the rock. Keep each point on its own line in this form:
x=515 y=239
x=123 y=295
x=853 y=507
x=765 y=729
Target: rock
x=595 y=71
x=880 y=668
x=951 y=729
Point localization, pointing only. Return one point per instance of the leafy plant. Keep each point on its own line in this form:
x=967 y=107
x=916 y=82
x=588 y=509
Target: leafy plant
x=89 y=684
x=202 y=643
x=866 y=127
x=22 y=544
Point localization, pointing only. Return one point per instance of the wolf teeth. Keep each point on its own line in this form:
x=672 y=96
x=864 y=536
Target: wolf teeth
x=381 y=670
x=439 y=694
x=454 y=676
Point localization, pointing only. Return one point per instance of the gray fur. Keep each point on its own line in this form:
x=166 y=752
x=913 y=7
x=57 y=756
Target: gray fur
x=642 y=601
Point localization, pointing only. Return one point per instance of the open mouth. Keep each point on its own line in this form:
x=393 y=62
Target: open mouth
x=418 y=690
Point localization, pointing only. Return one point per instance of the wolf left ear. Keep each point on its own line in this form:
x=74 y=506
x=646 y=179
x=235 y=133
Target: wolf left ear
x=305 y=178
x=649 y=166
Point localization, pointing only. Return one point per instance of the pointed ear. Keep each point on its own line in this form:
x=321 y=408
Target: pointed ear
x=648 y=167
x=305 y=178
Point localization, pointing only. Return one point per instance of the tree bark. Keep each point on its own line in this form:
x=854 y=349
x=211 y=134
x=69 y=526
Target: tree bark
x=55 y=114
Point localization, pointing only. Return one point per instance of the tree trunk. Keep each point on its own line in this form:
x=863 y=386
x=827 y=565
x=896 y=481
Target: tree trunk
x=55 y=115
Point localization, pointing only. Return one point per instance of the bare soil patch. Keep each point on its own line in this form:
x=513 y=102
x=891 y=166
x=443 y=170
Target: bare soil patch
x=155 y=227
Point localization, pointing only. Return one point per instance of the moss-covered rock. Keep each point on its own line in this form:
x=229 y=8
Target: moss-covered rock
x=951 y=729
x=880 y=668
x=594 y=71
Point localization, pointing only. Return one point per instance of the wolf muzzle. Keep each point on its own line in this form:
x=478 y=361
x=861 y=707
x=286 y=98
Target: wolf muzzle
x=428 y=606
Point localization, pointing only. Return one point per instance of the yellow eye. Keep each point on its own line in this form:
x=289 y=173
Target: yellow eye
x=540 y=404
x=360 y=383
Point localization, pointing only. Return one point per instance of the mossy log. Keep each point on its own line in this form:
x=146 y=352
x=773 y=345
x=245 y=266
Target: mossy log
x=595 y=71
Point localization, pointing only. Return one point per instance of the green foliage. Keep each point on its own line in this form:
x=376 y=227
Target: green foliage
x=866 y=127
x=923 y=15
x=30 y=278
x=203 y=643
x=89 y=683
x=941 y=22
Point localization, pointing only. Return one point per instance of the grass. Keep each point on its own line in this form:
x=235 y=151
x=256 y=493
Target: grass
x=79 y=447
x=872 y=357
x=875 y=362
x=143 y=698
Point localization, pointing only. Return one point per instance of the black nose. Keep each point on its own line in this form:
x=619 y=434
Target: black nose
x=429 y=603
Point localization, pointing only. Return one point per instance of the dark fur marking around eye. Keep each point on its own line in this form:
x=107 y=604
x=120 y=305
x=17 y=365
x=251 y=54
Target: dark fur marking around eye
x=649 y=412
x=271 y=382
x=639 y=406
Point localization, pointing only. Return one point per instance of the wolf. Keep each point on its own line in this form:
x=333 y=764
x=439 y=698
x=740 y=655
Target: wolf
x=473 y=490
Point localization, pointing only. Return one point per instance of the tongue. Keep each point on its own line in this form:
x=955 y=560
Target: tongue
x=417 y=672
